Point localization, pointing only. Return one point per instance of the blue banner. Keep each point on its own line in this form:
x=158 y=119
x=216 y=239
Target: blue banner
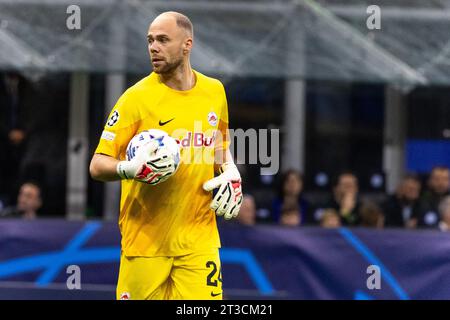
x=423 y=155
x=257 y=262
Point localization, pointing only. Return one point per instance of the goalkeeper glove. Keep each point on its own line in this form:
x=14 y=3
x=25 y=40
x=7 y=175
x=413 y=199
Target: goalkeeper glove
x=228 y=199
x=150 y=165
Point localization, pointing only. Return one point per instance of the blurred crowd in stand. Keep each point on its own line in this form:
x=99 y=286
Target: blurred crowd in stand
x=413 y=205
x=33 y=162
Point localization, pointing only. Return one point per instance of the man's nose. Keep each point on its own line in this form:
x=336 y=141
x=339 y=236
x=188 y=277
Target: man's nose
x=154 y=47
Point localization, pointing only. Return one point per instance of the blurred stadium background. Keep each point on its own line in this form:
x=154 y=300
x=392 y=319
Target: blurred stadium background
x=343 y=96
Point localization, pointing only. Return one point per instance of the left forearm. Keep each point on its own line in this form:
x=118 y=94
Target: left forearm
x=222 y=158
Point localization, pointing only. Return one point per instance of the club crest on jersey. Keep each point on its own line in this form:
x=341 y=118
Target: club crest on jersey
x=113 y=119
x=212 y=118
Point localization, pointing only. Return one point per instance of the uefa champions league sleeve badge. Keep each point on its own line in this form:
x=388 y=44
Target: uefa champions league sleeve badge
x=113 y=119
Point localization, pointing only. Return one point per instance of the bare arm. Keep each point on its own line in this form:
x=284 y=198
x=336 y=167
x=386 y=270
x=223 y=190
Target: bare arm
x=103 y=168
x=221 y=158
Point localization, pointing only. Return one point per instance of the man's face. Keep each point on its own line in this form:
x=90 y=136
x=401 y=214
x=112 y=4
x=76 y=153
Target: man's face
x=440 y=181
x=167 y=44
x=331 y=221
x=411 y=189
x=29 y=198
x=290 y=218
x=347 y=184
x=293 y=185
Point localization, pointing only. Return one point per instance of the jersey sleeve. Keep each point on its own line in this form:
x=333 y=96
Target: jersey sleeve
x=121 y=126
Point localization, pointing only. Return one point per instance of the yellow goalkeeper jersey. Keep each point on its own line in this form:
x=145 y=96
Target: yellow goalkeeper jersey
x=172 y=218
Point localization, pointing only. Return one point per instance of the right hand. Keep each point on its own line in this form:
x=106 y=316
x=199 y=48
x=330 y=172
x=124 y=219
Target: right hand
x=150 y=165
x=16 y=136
x=348 y=203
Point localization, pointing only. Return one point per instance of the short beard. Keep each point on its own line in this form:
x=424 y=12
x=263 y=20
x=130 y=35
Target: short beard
x=170 y=68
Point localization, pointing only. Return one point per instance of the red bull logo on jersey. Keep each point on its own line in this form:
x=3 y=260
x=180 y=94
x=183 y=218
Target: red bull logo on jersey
x=196 y=139
x=212 y=118
x=198 y=145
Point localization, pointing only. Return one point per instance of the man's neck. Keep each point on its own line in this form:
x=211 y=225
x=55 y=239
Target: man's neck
x=29 y=215
x=182 y=79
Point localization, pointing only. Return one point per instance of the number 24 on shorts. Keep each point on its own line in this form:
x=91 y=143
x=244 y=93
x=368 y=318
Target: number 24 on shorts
x=209 y=279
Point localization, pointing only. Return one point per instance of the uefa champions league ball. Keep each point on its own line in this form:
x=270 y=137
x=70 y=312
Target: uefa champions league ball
x=166 y=143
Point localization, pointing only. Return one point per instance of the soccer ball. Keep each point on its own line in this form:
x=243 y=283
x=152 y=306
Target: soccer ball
x=166 y=143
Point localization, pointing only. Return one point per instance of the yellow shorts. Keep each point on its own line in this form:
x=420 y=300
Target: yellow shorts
x=195 y=276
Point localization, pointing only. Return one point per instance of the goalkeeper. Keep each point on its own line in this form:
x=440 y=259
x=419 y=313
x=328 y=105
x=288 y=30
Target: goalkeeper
x=170 y=241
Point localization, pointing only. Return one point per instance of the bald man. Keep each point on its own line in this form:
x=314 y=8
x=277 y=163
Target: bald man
x=170 y=242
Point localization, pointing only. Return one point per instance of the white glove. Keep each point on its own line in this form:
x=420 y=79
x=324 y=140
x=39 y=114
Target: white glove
x=150 y=165
x=228 y=199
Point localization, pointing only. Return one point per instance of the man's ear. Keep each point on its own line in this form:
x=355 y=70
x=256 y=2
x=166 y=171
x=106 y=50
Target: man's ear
x=188 y=43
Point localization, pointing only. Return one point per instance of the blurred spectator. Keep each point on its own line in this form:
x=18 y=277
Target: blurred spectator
x=371 y=215
x=444 y=211
x=345 y=198
x=289 y=195
x=438 y=189
x=45 y=156
x=12 y=131
x=330 y=219
x=29 y=201
x=399 y=207
x=247 y=213
x=33 y=136
x=290 y=214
